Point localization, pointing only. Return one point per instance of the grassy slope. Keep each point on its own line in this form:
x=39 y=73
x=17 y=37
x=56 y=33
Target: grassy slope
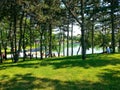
x=97 y=72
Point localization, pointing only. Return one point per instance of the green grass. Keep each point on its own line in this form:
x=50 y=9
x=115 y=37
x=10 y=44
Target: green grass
x=97 y=72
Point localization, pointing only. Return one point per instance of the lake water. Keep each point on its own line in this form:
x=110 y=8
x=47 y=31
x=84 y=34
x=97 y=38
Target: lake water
x=75 y=50
x=88 y=51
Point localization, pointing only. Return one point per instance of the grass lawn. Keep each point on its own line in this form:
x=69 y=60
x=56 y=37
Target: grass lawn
x=97 y=72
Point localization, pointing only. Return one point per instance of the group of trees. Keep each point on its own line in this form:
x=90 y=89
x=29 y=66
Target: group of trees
x=22 y=22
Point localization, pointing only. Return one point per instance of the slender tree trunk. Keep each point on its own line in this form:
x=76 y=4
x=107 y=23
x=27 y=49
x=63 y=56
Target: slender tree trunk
x=41 y=41
x=78 y=50
x=15 y=43
x=11 y=35
x=72 y=40
x=24 y=51
x=93 y=36
x=83 y=31
x=15 y=36
x=68 y=17
x=1 y=54
x=113 y=26
x=5 y=51
x=0 y=46
x=59 y=43
x=21 y=33
x=35 y=50
x=5 y=46
x=45 y=41
x=63 y=45
x=45 y=51
x=30 y=38
x=104 y=48
x=50 y=39
x=41 y=53
x=11 y=41
x=119 y=45
x=103 y=41
x=68 y=39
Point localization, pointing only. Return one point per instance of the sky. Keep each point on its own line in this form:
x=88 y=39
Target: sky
x=76 y=30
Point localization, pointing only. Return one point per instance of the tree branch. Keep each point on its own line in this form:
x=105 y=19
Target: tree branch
x=71 y=12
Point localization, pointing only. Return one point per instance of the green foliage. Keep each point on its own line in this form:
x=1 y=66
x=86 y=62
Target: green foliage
x=39 y=14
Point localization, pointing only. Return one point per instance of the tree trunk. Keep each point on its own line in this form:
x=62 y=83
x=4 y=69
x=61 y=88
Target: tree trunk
x=30 y=38
x=63 y=45
x=78 y=50
x=11 y=40
x=5 y=47
x=68 y=38
x=59 y=43
x=50 y=39
x=104 y=48
x=72 y=40
x=21 y=33
x=5 y=50
x=0 y=54
x=93 y=36
x=0 y=46
x=45 y=41
x=15 y=37
x=119 y=46
x=24 y=51
x=41 y=41
x=113 y=26
x=41 y=53
x=83 y=31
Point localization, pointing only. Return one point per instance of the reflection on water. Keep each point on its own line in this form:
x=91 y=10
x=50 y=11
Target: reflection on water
x=88 y=51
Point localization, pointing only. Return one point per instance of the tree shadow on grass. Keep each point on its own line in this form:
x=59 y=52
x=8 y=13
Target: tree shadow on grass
x=29 y=82
x=21 y=65
x=75 y=61
x=111 y=78
x=93 y=61
x=25 y=64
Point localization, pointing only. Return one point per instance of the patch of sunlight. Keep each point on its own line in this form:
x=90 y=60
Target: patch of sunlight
x=117 y=56
x=118 y=75
x=78 y=74
x=108 y=56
